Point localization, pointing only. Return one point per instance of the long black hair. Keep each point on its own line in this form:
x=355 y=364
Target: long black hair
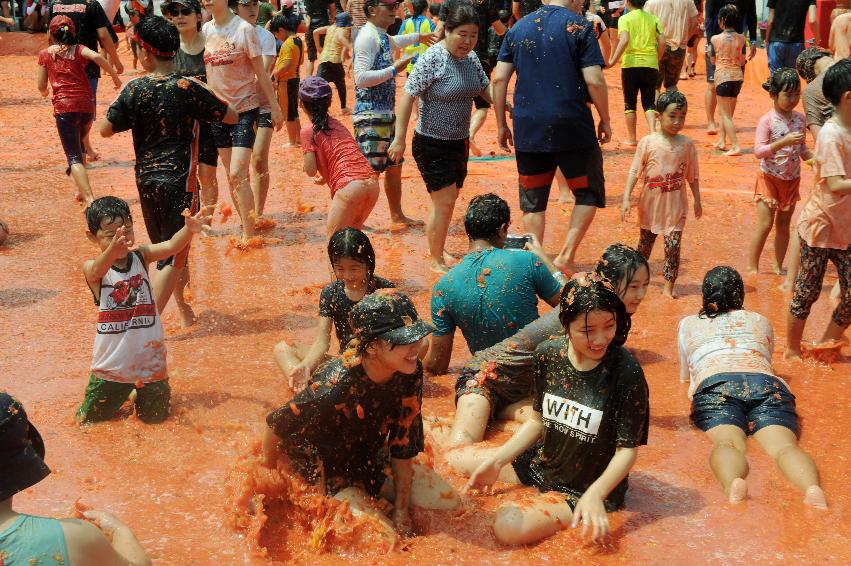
x=353 y=244
x=723 y=291
x=65 y=36
x=782 y=79
x=318 y=110
x=619 y=264
x=592 y=292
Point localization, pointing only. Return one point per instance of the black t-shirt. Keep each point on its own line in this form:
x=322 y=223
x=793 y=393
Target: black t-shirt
x=789 y=19
x=528 y=6
x=336 y=305
x=349 y=426
x=190 y=65
x=587 y=415
x=488 y=14
x=319 y=13
x=162 y=112
x=747 y=17
x=88 y=16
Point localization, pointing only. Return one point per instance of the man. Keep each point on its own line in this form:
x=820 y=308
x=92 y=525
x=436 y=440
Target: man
x=811 y=65
x=785 y=31
x=319 y=14
x=678 y=18
x=554 y=127
x=374 y=115
x=492 y=292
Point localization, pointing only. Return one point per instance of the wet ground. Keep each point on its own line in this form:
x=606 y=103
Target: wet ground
x=168 y=482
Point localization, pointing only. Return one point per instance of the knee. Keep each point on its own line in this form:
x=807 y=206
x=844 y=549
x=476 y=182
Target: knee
x=783 y=222
x=783 y=451
x=283 y=348
x=508 y=526
x=259 y=162
x=734 y=443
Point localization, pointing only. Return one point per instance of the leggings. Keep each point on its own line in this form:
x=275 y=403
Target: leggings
x=336 y=75
x=73 y=128
x=672 y=251
x=811 y=276
x=635 y=80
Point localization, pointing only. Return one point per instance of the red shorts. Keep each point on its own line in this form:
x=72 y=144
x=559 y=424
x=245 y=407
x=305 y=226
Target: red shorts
x=777 y=193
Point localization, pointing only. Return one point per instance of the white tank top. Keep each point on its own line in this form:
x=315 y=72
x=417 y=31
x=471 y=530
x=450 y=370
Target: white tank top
x=129 y=344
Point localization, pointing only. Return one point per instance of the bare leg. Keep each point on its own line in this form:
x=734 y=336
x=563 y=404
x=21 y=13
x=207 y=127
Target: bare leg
x=535 y=223
x=564 y=194
x=350 y=207
x=472 y=413
x=580 y=221
x=782 y=226
x=163 y=285
x=465 y=459
x=81 y=179
x=709 y=102
x=764 y=221
x=260 y=168
x=727 y=105
x=531 y=519
x=428 y=490
x=362 y=504
x=794 y=333
x=519 y=411
x=393 y=190
x=437 y=225
x=630 y=128
x=209 y=184
x=794 y=263
x=728 y=461
x=187 y=315
x=477 y=120
x=236 y=161
x=650 y=116
x=782 y=445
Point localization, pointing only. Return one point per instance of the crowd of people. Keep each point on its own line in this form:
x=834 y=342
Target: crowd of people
x=221 y=78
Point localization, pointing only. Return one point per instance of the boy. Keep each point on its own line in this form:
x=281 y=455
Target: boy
x=840 y=36
x=286 y=71
x=129 y=352
x=161 y=108
x=824 y=227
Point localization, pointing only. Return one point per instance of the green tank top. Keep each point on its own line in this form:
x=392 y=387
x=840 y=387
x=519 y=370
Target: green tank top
x=33 y=540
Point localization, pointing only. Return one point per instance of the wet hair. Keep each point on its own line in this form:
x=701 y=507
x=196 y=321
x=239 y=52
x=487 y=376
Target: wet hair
x=318 y=110
x=723 y=291
x=65 y=36
x=837 y=81
x=806 y=61
x=782 y=79
x=419 y=6
x=504 y=16
x=638 y=4
x=460 y=14
x=671 y=97
x=159 y=33
x=109 y=208
x=590 y=293
x=619 y=264
x=486 y=214
x=729 y=14
x=353 y=244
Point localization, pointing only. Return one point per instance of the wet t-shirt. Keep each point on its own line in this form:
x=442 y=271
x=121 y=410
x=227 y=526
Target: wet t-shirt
x=66 y=72
x=228 y=52
x=161 y=111
x=88 y=16
x=587 y=415
x=817 y=108
x=789 y=19
x=336 y=305
x=347 y=427
x=189 y=65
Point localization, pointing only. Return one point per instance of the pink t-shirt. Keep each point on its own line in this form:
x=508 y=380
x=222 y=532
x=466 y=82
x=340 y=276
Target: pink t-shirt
x=228 y=52
x=338 y=157
x=826 y=219
x=729 y=50
x=665 y=164
x=785 y=163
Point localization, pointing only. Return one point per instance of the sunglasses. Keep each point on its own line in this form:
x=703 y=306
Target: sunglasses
x=175 y=10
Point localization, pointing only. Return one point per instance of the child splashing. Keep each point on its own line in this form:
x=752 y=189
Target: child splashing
x=666 y=160
x=780 y=145
x=63 y=65
x=727 y=53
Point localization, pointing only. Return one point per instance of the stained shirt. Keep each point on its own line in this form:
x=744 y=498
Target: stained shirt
x=66 y=73
x=674 y=17
x=336 y=305
x=228 y=52
x=33 y=541
x=785 y=163
x=728 y=48
x=817 y=108
x=88 y=16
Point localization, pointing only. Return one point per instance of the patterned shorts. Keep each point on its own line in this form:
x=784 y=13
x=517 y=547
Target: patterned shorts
x=374 y=134
x=646 y=240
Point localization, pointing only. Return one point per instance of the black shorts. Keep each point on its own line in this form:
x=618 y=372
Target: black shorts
x=441 y=162
x=162 y=208
x=480 y=102
x=729 y=89
x=240 y=134
x=312 y=52
x=207 y=152
x=635 y=80
x=500 y=388
x=583 y=169
x=264 y=120
x=750 y=401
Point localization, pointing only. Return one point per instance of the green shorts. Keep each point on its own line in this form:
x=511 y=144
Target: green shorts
x=104 y=399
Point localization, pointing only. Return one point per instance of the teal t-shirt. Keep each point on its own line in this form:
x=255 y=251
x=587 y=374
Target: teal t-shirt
x=490 y=295
x=33 y=540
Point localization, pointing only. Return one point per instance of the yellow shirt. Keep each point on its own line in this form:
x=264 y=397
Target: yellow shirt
x=417 y=49
x=290 y=51
x=332 y=52
x=642 y=27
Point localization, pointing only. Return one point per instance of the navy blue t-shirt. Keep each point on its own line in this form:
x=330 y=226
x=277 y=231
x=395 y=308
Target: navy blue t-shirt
x=549 y=48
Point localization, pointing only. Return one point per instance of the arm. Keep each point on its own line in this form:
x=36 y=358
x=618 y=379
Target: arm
x=695 y=193
x=310 y=168
x=681 y=354
x=403 y=115
x=660 y=45
x=812 y=15
x=769 y=24
x=106 y=130
x=515 y=11
x=590 y=508
x=362 y=61
x=526 y=436
x=631 y=179
x=403 y=476
x=499 y=85
x=88 y=541
x=839 y=184
x=599 y=93
x=605 y=45
x=536 y=248
x=41 y=80
x=268 y=91
x=316 y=34
x=106 y=41
x=623 y=41
x=163 y=250
x=400 y=41
x=439 y=354
x=101 y=62
x=831 y=41
x=315 y=355
x=499 y=27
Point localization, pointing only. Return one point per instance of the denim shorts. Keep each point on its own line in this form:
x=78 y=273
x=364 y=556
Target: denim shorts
x=241 y=134
x=750 y=401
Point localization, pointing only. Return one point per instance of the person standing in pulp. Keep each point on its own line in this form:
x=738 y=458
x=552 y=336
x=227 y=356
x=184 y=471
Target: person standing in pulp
x=319 y=14
x=785 y=30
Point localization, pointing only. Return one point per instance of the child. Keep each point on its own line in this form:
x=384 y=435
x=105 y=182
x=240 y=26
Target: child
x=130 y=32
x=330 y=150
x=338 y=40
x=727 y=53
x=286 y=72
x=161 y=109
x=824 y=227
x=353 y=261
x=63 y=64
x=780 y=145
x=666 y=160
x=129 y=353
x=599 y=28
x=417 y=23
x=642 y=43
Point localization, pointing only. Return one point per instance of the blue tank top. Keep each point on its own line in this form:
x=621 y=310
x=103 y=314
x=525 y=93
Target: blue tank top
x=33 y=540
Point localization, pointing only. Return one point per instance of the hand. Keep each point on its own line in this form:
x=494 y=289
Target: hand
x=428 y=38
x=793 y=138
x=277 y=116
x=625 y=209
x=121 y=245
x=604 y=132
x=119 y=67
x=484 y=476
x=534 y=246
x=506 y=140
x=752 y=51
x=698 y=209
x=299 y=376
x=402 y=522
x=116 y=82
x=106 y=522
x=402 y=63
x=396 y=151
x=319 y=180
x=510 y=109
x=201 y=221
x=591 y=511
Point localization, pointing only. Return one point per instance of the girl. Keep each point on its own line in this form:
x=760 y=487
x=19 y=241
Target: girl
x=353 y=261
x=496 y=383
x=330 y=150
x=780 y=145
x=590 y=412
x=727 y=53
x=599 y=28
x=726 y=351
x=63 y=65
x=446 y=79
x=337 y=43
x=642 y=44
x=666 y=160
x=235 y=70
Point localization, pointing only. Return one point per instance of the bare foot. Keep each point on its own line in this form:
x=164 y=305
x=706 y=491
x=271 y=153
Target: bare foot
x=92 y=155
x=720 y=145
x=712 y=129
x=792 y=354
x=734 y=151
x=406 y=221
x=786 y=286
x=346 y=111
x=474 y=149
x=79 y=197
x=565 y=266
x=439 y=266
x=668 y=291
x=448 y=258
x=290 y=145
x=368 y=229
x=738 y=491
x=778 y=270
x=630 y=143
x=752 y=270
x=186 y=315
x=814 y=497
x=683 y=76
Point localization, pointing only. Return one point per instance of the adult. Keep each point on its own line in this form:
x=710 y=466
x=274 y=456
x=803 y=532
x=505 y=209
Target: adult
x=726 y=352
x=492 y=292
x=374 y=115
x=97 y=538
x=360 y=418
x=319 y=14
x=555 y=81
x=36 y=16
x=747 y=20
x=445 y=80
x=93 y=28
x=678 y=18
x=522 y=8
x=785 y=30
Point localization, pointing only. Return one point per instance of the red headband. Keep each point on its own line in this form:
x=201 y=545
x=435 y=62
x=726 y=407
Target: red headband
x=151 y=49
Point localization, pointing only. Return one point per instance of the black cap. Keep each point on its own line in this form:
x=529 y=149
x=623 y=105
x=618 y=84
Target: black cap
x=194 y=4
x=21 y=449
x=389 y=315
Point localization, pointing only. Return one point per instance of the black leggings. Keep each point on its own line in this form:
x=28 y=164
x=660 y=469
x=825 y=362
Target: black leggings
x=336 y=75
x=635 y=80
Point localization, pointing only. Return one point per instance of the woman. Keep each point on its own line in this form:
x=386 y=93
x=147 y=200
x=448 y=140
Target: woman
x=235 y=71
x=734 y=393
x=446 y=79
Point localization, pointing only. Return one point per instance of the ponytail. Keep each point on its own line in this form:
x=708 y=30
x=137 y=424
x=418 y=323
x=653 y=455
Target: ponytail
x=65 y=36
x=318 y=110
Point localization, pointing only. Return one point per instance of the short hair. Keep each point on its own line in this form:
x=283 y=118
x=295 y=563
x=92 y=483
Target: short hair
x=723 y=291
x=782 y=79
x=486 y=214
x=729 y=14
x=108 y=207
x=671 y=97
x=460 y=14
x=289 y=22
x=805 y=63
x=639 y=4
x=161 y=34
x=837 y=81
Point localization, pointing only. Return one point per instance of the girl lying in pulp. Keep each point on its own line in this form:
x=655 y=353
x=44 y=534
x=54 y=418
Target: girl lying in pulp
x=590 y=412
